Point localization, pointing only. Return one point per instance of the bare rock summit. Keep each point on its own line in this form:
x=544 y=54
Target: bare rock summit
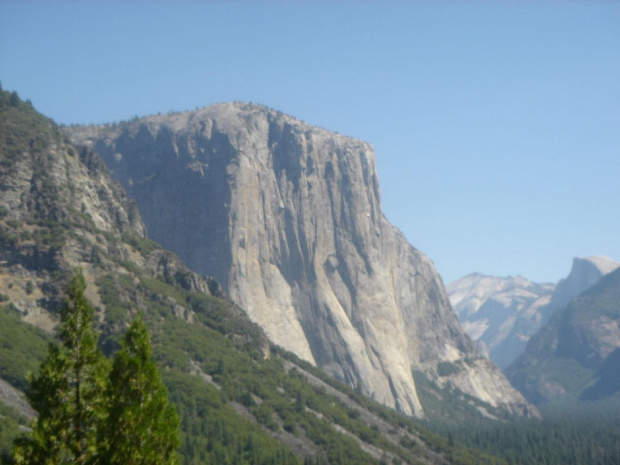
x=584 y=273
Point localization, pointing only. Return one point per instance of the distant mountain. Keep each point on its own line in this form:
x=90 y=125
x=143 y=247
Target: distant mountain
x=501 y=314
x=288 y=218
x=585 y=272
x=575 y=357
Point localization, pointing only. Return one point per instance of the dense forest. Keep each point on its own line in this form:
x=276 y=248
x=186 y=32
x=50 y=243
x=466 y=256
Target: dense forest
x=584 y=435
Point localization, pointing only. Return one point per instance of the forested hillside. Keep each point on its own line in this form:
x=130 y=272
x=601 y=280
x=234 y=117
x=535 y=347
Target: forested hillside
x=574 y=358
x=589 y=436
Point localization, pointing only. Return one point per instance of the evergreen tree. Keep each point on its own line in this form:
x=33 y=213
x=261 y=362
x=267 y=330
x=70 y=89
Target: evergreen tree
x=142 y=426
x=90 y=414
x=68 y=391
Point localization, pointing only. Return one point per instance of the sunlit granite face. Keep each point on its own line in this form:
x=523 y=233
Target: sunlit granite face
x=288 y=218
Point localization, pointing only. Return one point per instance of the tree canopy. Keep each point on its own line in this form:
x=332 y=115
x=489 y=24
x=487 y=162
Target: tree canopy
x=91 y=413
x=141 y=426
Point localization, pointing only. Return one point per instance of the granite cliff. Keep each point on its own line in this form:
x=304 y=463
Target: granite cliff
x=288 y=218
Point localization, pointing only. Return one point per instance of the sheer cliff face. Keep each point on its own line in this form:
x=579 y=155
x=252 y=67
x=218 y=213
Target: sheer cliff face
x=287 y=217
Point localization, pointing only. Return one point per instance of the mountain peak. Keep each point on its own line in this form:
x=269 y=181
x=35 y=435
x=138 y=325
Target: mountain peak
x=585 y=272
x=499 y=313
x=605 y=265
x=565 y=357
x=502 y=313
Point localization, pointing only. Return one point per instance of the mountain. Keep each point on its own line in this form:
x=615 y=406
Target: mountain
x=584 y=273
x=241 y=399
x=575 y=356
x=288 y=218
x=501 y=314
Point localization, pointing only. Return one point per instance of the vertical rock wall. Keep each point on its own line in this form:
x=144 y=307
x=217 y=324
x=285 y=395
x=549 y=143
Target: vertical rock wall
x=288 y=218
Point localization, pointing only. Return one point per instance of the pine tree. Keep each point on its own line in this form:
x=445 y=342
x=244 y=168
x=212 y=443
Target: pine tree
x=142 y=426
x=68 y=391
x=90 y=414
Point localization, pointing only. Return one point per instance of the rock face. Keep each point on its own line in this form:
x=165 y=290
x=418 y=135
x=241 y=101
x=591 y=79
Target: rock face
x=576 y=355
x=501 y=314
x=287 y=217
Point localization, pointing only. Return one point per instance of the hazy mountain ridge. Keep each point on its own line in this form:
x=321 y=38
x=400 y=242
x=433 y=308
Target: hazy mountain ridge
x=585 y=272
x=288 y=218
x=574 y=355
x=501 y=314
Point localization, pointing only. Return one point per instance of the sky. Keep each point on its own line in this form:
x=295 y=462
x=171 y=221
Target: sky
x=496 y=124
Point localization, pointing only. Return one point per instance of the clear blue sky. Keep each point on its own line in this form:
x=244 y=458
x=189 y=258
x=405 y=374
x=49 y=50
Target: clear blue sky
x=496 y=124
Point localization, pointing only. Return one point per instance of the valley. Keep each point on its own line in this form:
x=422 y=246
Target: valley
x=305 y=328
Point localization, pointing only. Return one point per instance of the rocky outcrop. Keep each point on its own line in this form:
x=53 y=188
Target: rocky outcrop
x=500 y=314
x=59 y=209
x=287 y=217
x=15 y=399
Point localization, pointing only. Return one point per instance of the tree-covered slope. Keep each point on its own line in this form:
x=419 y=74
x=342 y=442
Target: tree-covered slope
x=575 y=356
